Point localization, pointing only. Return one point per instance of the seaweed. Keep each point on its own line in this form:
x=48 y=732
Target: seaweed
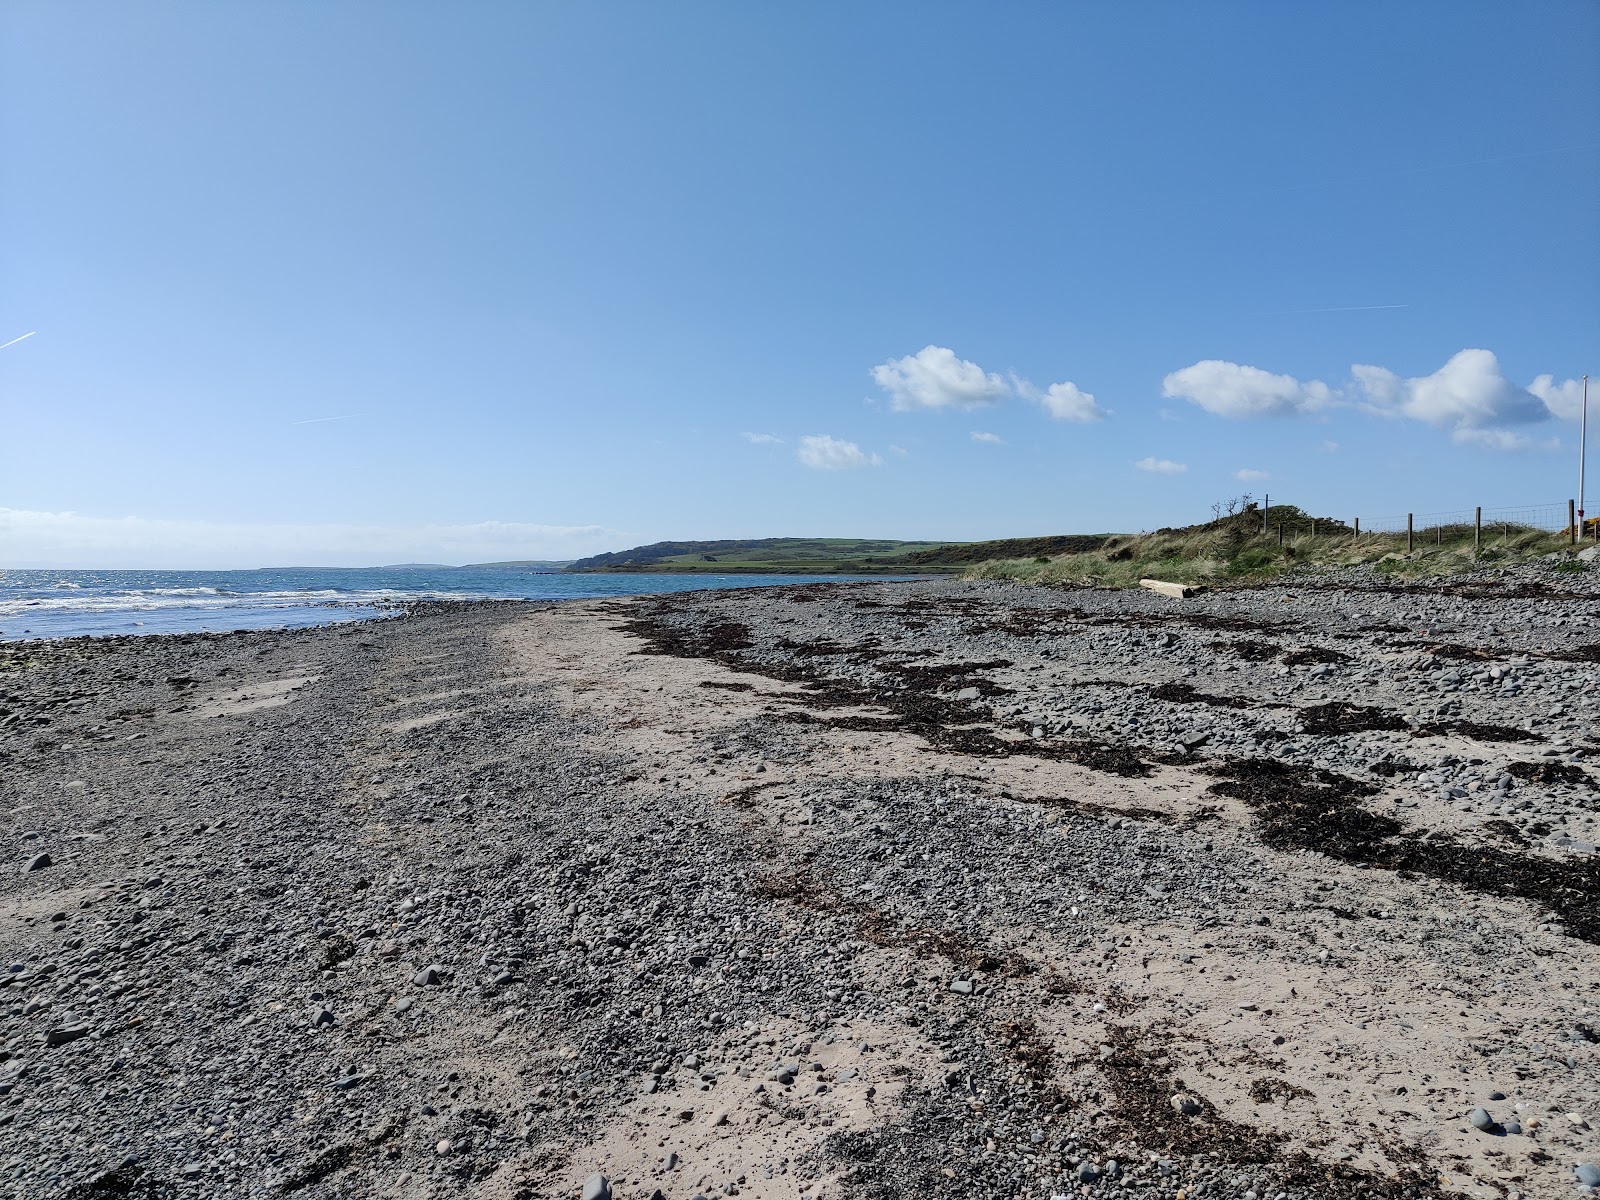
x=1183 y=693
x=1308 y=808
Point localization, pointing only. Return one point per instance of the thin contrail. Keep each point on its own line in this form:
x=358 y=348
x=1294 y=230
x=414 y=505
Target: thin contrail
x=1352 y=308
x=15 y=340
x=319 y=420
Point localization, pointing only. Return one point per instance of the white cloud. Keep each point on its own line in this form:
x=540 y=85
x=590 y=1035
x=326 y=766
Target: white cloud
x=65 y=540
x=934 y=377
x=763 y=439
x=1161 y=466
x=1250 y=475
x=1469 y=396
x=1564 y=400
x=1468 y=392
x=1068 y=402
x=823 y=453
x=1233 y=390
x=1331 y=447
x=900 y=450
x=993 y=439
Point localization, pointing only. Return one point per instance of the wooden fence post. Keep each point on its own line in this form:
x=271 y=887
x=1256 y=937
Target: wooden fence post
x=1477 y=529
x=1411 y=534
x=1358 y=529
x=1572 y=522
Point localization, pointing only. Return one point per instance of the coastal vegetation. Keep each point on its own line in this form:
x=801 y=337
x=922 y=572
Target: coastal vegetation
x=782 y=556
x=1242 y=547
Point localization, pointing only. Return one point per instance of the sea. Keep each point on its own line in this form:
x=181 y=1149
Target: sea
x=58 y=604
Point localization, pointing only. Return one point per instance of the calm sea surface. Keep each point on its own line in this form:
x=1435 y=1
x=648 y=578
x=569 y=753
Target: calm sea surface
x=52 y=604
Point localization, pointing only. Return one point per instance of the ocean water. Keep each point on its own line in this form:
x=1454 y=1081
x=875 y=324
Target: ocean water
x=55 y=604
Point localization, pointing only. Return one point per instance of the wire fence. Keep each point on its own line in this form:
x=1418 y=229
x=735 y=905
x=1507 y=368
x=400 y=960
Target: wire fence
x=1483 y=525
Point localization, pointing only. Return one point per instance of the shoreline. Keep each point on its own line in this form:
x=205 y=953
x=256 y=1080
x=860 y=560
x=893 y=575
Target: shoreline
x=823 y=890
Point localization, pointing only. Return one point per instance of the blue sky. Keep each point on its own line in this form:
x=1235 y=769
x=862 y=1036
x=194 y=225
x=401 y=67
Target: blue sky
x=551 y=265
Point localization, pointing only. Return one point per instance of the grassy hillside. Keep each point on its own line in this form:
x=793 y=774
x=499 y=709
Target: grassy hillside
x=976 y=552
x=854 y=556
x=1235 y=549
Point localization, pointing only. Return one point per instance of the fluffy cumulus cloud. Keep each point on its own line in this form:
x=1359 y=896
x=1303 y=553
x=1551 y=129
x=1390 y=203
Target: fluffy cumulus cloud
x=1469 y=392
x=1233 y=390
x=1064 y=401
x=1469 y=397
x=763 y=439
x=1250 y=475
x=823 y=453
x=1161 y=466
x=65 y=540
x=1564 y=400
x=934 y=377
x=993 y=439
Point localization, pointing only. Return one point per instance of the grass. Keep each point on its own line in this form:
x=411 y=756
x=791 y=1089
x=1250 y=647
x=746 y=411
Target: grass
x=1234 y=550
x=808 y=556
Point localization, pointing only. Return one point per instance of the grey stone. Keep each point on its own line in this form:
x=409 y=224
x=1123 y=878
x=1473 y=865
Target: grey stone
x=428 y=976
x=39 y=862
x=1088 y=1172
x=1480 y=1119
x=1588 y=1174
x=1186 y=1106
x=64 y=1034
x=596 y=1187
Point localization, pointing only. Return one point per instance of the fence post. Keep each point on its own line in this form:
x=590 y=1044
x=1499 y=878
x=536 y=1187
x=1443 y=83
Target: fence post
x=1477 y=529
x=1358 y=529
x=1266 y=507
x=1411 y=534
x=1572 y=522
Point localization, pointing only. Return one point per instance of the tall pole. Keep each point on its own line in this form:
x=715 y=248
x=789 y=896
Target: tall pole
x=1583 y=444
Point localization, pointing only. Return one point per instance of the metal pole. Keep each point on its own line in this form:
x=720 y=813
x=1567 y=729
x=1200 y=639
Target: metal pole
x=1583 y=447
x=1411 y=534
x=1477 y=529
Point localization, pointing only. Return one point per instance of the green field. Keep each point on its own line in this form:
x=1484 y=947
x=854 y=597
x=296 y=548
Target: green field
x=785 y=556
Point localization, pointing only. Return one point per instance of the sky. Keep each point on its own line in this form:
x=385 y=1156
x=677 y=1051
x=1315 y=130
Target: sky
x=356 y=283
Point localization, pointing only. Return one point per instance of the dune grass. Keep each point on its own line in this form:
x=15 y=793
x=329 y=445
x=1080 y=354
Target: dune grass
x=1234 y=550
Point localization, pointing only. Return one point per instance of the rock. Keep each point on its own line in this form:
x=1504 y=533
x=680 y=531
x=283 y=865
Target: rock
x=39 y=862
x=1088 y=1172
x=596 y=1187
x=1479 y=1118
x=1186 y=1106
x=962 y=987
x=66 y=1033
x=428 y=976
x=1588 y=554
x=1588 y=1174
x=968 y=693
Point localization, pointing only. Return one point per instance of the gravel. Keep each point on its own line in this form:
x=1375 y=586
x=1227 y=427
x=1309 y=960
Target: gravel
x=390 y=909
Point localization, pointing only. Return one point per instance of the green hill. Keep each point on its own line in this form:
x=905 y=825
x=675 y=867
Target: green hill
x=809 y=556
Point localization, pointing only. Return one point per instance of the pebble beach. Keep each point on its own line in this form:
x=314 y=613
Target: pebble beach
x=869 y=889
